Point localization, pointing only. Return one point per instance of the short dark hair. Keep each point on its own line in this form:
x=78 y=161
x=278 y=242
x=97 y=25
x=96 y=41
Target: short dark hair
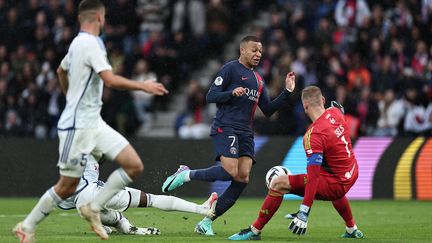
x=86 y=5
x=249 y=38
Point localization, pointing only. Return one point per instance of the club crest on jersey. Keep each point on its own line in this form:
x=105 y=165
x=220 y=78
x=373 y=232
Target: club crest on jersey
x=218 y=81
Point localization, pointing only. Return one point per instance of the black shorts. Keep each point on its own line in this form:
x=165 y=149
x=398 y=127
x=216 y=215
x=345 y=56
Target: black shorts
x=233 y=144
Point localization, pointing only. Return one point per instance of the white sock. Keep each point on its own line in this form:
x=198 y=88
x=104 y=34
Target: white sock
x=46 y=204
x=123 y=226
x=135 y=197
x=110 y=218
x=187 y=177
x=116 y=182
x=255 y=230
x=350 y=230
x=170 y=203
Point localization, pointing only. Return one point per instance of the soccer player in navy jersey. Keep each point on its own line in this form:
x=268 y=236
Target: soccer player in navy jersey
x=331 y=171
x=237 y=91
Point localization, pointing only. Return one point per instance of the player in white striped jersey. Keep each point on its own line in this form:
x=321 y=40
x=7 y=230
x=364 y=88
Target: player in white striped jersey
x=81 y=130
x=111 y=214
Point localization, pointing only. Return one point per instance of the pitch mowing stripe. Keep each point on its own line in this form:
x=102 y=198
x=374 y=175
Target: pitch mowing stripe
x=424 y=172
x=402 y=180
x=368 y=151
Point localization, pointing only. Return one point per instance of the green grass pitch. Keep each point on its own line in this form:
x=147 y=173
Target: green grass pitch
x=380 y=221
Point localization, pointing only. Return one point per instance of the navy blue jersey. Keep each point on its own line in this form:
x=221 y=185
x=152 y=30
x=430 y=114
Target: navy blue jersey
x=238 y=112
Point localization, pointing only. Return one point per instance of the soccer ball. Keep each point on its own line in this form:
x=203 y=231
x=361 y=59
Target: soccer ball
x=276 y=171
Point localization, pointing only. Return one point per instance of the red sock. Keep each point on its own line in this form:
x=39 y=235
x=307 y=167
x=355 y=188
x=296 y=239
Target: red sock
x=344 y=210
x=268 y=209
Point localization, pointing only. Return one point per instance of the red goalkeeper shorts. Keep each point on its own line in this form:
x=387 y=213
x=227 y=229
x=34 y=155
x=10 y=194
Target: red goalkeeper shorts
x=327 y=189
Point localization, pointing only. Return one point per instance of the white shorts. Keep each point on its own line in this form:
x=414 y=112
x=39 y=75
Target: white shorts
x=76 y=145
x=120 y=202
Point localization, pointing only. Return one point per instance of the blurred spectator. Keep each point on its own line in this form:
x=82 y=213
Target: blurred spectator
x=153 y=15
x=384 y=78
x=398 y=16
x=352 y=13
x=191 y=123
x=218 y=18
x=34 y=117
x=344 y=98
x=56 y=102
x=122 y=23
x=13 y=124
x=391 y=111
x=45 y=75
x=189 y=16
x=358 y=75
x=420 y=58
x=415 y=114
x=143 y=101
x=367 y=109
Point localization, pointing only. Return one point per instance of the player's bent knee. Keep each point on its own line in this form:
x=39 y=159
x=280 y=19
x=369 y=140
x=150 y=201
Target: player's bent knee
x=64 y=191
x=232 y=171
x=139 y=168
x=242 y=178
x=134 y=170
x=280 y=184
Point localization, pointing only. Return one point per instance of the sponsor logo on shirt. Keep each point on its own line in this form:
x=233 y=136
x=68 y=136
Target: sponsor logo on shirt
x=252 y=94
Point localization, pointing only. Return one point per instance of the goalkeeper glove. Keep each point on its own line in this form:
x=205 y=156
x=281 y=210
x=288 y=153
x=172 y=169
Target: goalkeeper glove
x=337 y=105
x=299 y=223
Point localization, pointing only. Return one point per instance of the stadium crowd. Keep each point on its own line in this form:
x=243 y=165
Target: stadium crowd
x=374 y=57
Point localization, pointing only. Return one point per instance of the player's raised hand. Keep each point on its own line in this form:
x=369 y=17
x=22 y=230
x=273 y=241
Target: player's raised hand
x=153 y=87
x=290 y=81
x=239 y=91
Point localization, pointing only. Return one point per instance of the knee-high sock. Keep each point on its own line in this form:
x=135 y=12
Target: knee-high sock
x=116 y=182
x=116 y=219
x=268 y=209
x=343 y=208
x=213 y=173
x=46 y=204
x=170 y=203
x=110 y=217
x=229 y=197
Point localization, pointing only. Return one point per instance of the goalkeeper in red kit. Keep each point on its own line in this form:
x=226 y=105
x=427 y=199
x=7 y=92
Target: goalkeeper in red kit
x=331 y=171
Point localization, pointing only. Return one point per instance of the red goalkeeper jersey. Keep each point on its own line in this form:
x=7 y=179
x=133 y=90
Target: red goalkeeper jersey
x=329 y=135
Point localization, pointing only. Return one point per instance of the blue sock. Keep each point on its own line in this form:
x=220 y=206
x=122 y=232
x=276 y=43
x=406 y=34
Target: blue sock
x=229 y=197
x=214 y=173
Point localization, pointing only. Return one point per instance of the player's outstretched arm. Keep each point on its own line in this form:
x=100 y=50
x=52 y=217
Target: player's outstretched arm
x=267 y=106
x=299 y=223
x=63 y=79
x=112 y=80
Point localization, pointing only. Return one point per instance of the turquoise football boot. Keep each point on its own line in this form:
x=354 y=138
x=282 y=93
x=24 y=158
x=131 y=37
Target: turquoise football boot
x=245 y=234
x=204 y=227
x=357 y=234
x=176 y=179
